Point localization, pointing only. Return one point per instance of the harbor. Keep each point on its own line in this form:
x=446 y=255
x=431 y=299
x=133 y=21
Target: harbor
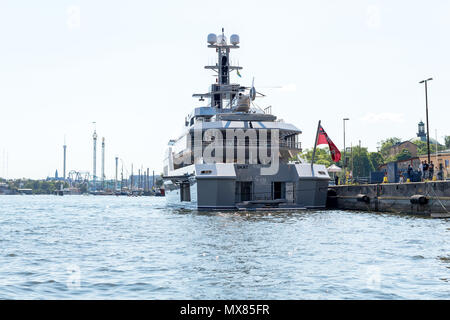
x=233 y=151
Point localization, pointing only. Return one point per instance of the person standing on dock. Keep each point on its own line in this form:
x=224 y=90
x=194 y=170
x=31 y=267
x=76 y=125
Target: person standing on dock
x=440 y=173
x=409 y=172
x=421 y=170
x=431 y=170
x=425 y=170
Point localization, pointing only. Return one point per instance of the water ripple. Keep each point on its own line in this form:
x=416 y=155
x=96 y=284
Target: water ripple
x=78 y=247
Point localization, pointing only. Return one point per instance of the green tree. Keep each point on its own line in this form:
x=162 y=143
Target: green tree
x=422 y=147
x=44 y=187
x=387 y=144
x=405 y=154
x=447 y=142
x=376 y=158
x=361 y=164
x=322 y=156
x=38 y=186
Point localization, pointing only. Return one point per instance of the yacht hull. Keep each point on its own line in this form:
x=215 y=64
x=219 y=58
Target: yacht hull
x=229 y=186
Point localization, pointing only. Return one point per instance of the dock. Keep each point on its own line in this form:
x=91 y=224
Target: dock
x=430 y=199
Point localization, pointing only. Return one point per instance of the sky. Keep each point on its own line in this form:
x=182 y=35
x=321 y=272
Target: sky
x=132 y=67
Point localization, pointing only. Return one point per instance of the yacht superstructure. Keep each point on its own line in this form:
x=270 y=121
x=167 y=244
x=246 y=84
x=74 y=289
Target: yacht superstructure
x=234 y=155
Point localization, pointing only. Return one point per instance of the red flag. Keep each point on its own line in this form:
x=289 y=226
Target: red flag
x=324 y=139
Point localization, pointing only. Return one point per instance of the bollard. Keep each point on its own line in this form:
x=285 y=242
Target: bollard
x=363 y=198
x=418 y=199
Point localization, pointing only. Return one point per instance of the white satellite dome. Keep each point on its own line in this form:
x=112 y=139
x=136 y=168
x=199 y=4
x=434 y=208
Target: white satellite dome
x=234 y=39
x=212 y=38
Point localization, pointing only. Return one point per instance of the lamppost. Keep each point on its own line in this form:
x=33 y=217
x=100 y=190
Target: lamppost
x=426 y=106
x=345 y=157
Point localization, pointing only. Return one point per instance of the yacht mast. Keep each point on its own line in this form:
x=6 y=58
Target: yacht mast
x=221 y=90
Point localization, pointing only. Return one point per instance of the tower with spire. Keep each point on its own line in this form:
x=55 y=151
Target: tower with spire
x=94 y=167
x=421 y=131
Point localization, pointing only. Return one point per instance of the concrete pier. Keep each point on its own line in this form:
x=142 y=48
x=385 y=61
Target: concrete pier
x=430 y=199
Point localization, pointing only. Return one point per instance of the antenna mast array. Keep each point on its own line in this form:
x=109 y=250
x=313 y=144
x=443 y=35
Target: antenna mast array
x=222 y=89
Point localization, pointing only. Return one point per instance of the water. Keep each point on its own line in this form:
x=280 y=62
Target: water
x=86 y=247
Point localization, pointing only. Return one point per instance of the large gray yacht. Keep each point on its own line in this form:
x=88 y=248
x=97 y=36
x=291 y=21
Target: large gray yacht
x=234 y=155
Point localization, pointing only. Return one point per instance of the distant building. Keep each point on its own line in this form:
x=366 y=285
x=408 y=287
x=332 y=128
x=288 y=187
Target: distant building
x=403 y=164
x=56 y=177
x=440 y=160
x=398 y=148
x=410 y=144
x=4 y=188
x=422 y=135
x=25 y=191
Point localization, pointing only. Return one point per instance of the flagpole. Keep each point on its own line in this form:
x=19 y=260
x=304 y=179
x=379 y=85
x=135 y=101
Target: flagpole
x=315 y=145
